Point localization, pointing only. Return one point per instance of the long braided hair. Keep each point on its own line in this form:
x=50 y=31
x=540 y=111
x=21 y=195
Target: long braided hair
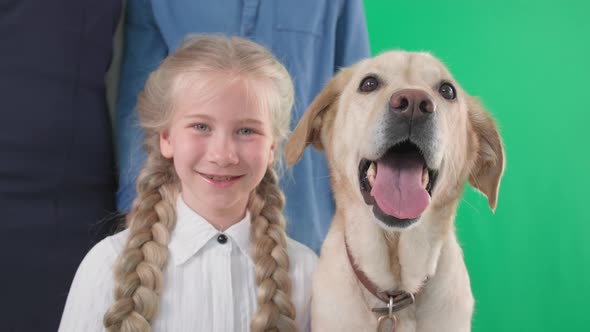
x=139 y=269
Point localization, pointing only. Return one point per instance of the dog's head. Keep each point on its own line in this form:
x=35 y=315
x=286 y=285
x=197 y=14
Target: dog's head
x=401 y=138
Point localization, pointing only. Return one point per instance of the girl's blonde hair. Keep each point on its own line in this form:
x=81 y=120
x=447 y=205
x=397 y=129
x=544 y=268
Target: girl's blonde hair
x=139 y=269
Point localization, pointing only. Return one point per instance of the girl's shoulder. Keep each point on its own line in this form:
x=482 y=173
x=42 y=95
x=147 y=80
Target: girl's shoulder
x=99 y=262
x=302 y=266
x=300 y=256
x=109 y=248
x=91 y=292
x=116 y=242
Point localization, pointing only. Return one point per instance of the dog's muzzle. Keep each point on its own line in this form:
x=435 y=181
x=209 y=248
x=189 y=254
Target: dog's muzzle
x=399 y=183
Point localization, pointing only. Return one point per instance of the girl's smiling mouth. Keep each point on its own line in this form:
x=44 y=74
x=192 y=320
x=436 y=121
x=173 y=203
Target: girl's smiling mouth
x=220 y=180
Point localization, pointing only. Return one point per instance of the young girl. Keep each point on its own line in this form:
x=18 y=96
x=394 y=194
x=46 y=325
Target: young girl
x=205 y=248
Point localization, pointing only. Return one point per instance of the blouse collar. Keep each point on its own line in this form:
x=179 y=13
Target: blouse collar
x=192 y=232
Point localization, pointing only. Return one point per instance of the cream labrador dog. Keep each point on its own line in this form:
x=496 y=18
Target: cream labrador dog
x=401 y=138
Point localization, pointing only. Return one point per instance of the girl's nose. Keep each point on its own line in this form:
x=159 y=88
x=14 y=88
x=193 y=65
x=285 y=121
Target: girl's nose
x=223 y=151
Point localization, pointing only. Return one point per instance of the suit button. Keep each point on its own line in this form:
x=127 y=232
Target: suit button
x=222 y=238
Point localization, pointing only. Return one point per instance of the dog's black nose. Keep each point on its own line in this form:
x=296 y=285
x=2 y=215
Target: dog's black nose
x=412 y=104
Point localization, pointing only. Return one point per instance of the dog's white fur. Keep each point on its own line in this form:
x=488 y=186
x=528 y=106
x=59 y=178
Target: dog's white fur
x=348 y=125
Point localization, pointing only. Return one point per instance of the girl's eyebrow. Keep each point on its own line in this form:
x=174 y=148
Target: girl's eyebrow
x=198 y=116
x=241 y=122
x=251 y=122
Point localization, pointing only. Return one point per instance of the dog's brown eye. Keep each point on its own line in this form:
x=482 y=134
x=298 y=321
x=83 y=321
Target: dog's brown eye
x=369 y=84
x=447 y=91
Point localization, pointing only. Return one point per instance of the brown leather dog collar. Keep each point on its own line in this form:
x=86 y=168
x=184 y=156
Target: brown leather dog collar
x=395 y=299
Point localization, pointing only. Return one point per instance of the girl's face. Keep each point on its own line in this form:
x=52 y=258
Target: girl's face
x=221 y=147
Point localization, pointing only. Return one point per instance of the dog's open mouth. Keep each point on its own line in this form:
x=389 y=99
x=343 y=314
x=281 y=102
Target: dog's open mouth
x=398 y=185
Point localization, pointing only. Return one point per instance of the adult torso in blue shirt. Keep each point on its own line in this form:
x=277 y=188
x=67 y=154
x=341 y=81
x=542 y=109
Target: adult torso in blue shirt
x=312 y=38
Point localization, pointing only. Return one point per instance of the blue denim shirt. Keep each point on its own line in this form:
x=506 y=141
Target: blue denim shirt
x=313 y=38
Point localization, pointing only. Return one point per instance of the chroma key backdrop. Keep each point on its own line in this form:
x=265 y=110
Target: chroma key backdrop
x=529 y=62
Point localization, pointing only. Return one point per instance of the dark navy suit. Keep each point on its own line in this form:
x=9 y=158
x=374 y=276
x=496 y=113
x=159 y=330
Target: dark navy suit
x=57 y=174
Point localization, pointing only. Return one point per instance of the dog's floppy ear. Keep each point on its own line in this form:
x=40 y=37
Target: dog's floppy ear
x=308 y=130
x=489 y=165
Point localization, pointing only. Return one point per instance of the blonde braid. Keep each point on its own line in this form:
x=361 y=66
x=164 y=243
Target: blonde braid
x=139 y=269
x=276 y=311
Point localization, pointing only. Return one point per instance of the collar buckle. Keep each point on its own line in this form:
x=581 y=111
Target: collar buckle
x=398 y=300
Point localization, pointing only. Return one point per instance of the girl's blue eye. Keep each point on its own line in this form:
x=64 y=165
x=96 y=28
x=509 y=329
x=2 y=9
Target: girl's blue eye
x=245 y=131
x=201 y=127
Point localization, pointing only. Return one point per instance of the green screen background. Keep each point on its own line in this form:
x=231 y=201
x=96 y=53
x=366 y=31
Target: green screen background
x=528 y=61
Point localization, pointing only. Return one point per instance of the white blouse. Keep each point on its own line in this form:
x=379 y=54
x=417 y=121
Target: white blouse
x=208 y=285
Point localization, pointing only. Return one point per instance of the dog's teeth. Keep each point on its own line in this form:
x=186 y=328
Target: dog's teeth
x=371 y=173
x=425 y=177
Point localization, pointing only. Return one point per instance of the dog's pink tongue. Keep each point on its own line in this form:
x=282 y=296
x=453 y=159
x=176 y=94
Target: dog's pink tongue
x=398 y=185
